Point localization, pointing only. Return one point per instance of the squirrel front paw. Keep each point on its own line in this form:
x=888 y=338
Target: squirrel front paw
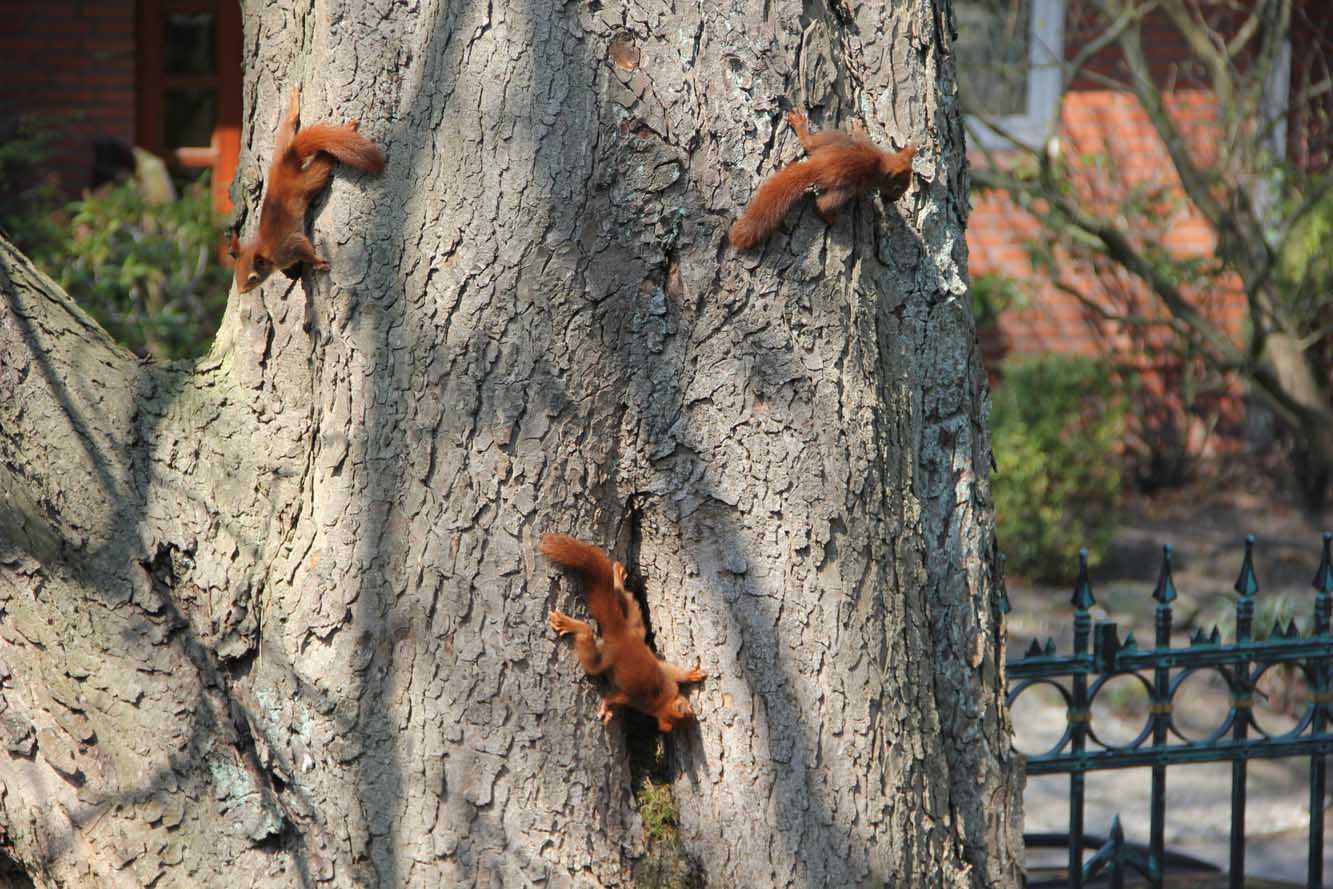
x=562 y=623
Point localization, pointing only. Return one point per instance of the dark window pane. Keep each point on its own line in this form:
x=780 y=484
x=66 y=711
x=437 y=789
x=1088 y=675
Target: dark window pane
x=187 y=43
x=187 y=118
x=992 y=52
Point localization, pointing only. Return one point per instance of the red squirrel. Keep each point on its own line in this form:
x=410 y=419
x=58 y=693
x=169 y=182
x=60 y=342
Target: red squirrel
x=302 y=165
x=841 y=166
x=638 y=677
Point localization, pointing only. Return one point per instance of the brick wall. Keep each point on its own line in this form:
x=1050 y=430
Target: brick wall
x=1112 y=128
x=71 y=61
x=1111 y=147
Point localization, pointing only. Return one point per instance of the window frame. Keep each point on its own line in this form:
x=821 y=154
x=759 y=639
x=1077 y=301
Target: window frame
x=224 y=148
x=1045 y=83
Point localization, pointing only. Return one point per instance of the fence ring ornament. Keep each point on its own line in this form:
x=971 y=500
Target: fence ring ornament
x=1068 y=734
x=1143 y=734
x=1307 y=716
x=1228 y=719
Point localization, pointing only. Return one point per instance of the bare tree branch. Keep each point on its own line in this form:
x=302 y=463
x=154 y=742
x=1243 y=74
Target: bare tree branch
x=1067 y=217
x=1207 y=46
x=1243 y=35
x=1125 y=318
x=1198 y=184
x=1127 y=17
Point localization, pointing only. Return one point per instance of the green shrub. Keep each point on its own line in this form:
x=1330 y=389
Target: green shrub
x=149 y=273
x=1057 y=422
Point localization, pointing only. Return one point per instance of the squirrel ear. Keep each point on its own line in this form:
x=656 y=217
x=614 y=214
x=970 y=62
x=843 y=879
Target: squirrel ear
x=234 y=247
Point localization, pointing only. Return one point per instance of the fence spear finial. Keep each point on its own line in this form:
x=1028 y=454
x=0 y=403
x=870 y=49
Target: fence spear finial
x=1323 y=584
x=1246 y=584
x=1083 y=599
x=1323 y=576
x=1166 y=587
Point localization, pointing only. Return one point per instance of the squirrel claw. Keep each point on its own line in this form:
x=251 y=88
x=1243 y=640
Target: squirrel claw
x=605 y=713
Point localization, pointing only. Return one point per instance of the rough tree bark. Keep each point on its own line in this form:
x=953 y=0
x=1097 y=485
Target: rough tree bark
x=277 y=618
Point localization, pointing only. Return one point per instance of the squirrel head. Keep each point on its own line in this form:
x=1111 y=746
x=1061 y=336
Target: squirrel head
x=672 y=713
x=896 y=170
x=252 y=269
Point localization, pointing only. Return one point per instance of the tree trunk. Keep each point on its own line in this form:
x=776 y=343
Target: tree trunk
x=1310 y=430
x=277 y=618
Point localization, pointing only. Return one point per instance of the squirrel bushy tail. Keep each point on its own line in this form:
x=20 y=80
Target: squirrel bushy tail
x=309 y=160
x=595 y=566
x=771 y=202
x=344 y=143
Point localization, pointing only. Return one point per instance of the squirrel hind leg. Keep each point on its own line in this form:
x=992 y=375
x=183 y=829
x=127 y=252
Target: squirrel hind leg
x=282 y=141
x=294 y=103
x=304 y=251
x=827 y=204
x=562 y=623
x=810 y=142
x=813 y=142
x=585 y=643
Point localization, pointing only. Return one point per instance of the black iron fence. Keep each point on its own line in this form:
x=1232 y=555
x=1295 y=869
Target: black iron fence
x=1099 y=655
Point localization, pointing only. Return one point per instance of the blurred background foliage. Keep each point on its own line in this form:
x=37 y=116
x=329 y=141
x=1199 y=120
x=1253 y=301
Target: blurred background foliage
x=1057 y=424
x=146 y=266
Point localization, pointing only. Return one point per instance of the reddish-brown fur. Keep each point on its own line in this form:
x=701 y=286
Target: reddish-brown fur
x=841 y=166
x=638 y=677
x=302 y=166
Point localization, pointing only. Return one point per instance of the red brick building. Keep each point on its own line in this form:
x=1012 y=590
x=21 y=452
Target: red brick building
x=161 y=74
x=1112 y=150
